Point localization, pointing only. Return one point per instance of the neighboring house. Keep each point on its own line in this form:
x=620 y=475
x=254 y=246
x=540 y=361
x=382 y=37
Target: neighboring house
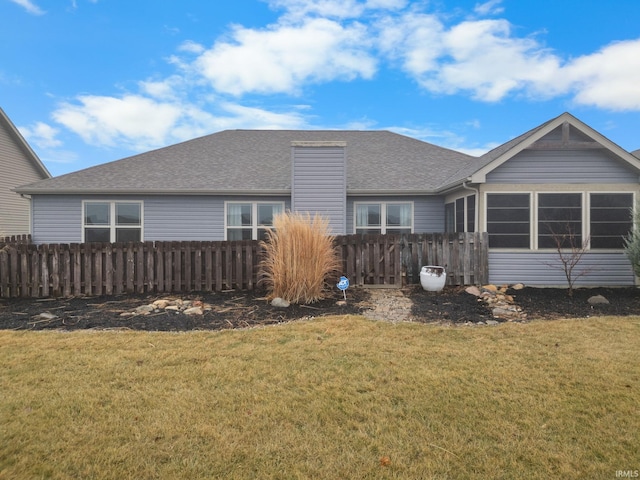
x=18 y=165
x=560 y=176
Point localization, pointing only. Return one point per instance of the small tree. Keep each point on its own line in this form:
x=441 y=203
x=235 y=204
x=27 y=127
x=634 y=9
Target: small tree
x=299 y=257
x=632 y=242
x=570 y=249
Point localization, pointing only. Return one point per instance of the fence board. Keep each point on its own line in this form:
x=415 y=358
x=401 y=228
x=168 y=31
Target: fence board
x=5 y=282
x=13 y=269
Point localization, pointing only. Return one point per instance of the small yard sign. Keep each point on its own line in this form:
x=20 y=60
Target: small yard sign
x=343 y=284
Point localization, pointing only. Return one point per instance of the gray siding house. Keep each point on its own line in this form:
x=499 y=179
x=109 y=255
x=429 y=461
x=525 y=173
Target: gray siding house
x=559 y=182
x=18 y=165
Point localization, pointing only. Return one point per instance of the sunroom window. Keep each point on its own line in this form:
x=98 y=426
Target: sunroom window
x=112 y=222
x=559 y=220
x=460 y=215
x=383 y=218
x=508 y=220
x=610 y=219
x=564 y=220
x=250 y=220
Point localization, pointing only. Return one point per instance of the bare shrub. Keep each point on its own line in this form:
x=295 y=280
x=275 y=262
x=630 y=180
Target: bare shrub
x=570 y=249
x=299 y=257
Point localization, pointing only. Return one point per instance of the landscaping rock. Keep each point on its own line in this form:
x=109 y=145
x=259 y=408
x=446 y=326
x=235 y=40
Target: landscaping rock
x=473 y=290
x=145 y=309
x=44 y=316
x=194 y=311
x=280 y=303
x=598 y=300
x=162 y=303
x=502 y=304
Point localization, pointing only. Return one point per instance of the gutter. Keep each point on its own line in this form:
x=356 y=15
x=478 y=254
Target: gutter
x=150 y=192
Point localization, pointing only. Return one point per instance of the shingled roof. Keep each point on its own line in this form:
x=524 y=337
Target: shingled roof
x=259 y=161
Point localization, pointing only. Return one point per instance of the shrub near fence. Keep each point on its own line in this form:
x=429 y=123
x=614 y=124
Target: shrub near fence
x=28 y=270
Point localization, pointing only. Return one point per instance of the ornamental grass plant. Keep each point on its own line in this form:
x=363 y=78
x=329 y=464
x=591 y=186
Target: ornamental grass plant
x=299 y=258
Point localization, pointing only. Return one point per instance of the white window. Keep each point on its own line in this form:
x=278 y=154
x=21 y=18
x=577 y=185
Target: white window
x=110 y=221
x=250 y=220
x=384 y=218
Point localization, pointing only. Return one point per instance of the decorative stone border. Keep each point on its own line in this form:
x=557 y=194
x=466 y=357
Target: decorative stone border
x=501 y=303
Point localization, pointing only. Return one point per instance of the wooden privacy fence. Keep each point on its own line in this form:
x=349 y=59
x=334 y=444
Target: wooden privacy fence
x=28 y=270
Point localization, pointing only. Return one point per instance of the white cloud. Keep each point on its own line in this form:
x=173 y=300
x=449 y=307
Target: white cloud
x=485 y=59
x=337 y=9
x=492 y=7
x=133 y=120
x=41 y=135
x=170 y=88
x=282 y=58
x=607 y=79
x=240 y=116
x=191 y=47
x=141 y=123
x=480 y=57
x=29 y=6
x=414 y=39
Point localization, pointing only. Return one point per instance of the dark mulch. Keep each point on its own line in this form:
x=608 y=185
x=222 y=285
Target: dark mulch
x=228 y=310
x=247 y=309
x=554 y=303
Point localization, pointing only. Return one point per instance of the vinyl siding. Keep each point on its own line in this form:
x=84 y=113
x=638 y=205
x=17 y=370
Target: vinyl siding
x=563 y=166
x=58 y=219
x=198 y=218
x=16 y=169
x=319 y=183
x=544 y=269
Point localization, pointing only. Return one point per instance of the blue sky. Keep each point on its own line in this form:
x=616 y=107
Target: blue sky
x=90 y=81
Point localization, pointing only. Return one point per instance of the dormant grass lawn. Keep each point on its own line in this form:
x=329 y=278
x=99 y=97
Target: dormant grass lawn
x=339 y=397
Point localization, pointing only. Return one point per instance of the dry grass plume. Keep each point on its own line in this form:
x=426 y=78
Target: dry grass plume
x=299 y=258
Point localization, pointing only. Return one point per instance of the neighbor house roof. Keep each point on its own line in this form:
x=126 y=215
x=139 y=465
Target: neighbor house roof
x=259 y=161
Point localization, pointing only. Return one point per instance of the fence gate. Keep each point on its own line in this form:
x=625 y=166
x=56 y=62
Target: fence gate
x=371 y=259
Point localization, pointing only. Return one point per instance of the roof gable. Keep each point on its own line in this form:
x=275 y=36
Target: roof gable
x=564 y=132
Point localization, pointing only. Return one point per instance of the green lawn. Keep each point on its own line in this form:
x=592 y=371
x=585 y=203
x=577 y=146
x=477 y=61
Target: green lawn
x=339 y=397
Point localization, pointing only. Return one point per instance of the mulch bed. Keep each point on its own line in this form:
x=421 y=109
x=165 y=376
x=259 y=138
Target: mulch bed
x=248 y=309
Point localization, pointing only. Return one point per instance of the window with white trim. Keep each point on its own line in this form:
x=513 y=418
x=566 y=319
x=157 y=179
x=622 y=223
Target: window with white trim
x=112 y=221
x=250 y=220
x=380 y=217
